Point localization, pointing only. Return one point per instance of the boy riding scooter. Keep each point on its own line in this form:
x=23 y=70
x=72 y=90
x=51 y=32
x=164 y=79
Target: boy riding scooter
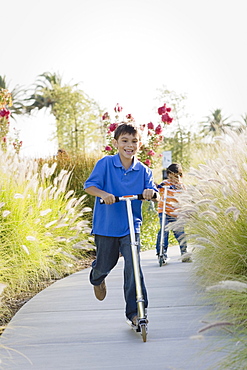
x=168 y=190
x=117 y=175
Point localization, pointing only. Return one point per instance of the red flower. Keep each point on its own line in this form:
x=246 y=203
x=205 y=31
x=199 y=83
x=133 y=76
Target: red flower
x=158 y=129
x=150 y=126
x=108 y=148
x=4 y=139
x=166 y=118
x=118 y=108
x=162 y=110
x=4 y=113
x=151 y=152
x=113 y=127
x=105 y=116
x=129 y=116
x=148 y=162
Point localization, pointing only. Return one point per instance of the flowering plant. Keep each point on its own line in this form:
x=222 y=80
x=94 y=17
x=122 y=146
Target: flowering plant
x=164 y=113
x=6 y=101
x=5 y=98
x=148 y=153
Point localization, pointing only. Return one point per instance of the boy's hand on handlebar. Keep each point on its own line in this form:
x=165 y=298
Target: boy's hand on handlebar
x=148 y=194
x=108 y=198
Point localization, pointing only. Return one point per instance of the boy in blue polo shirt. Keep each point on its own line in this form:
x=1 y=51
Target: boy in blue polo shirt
x=118 y=175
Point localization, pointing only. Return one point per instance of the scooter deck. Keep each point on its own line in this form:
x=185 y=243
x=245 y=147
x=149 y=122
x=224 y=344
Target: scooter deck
x=163 y=261
x=140 y=328
x=140 y=322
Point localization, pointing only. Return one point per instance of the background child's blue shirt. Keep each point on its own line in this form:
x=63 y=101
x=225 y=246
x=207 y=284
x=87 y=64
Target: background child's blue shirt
x=110 y=175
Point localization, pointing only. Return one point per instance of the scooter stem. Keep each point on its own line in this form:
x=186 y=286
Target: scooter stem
x=139 y=296
x=163 y=223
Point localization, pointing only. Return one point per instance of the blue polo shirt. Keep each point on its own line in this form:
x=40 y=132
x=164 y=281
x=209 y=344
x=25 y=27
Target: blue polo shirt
x=110 y=175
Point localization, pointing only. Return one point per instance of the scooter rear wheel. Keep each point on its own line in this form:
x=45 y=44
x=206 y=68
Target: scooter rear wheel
x=144 y=332
x=161 y=260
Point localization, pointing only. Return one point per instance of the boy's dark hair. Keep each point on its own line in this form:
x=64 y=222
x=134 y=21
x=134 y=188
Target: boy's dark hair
x=127 y=128
x=175 y=168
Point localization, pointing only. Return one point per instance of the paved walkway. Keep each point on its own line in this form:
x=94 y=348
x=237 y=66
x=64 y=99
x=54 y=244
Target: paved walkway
x=65 y=327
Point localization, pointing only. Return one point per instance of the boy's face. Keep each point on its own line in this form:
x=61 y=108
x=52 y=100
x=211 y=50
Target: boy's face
x=127 y=145
x=174 y=178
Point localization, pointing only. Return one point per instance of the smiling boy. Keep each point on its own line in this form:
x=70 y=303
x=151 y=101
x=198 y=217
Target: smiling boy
x=118 y=175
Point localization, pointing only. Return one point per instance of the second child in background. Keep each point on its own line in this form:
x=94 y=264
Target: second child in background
x=174 y=186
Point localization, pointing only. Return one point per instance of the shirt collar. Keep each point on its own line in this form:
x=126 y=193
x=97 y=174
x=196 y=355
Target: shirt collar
x=117 y=163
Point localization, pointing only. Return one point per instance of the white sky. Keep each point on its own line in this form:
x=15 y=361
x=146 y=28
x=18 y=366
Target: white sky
x=122 y=51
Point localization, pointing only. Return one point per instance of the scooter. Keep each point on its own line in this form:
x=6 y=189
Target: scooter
x=162 y=260
x=141 y=326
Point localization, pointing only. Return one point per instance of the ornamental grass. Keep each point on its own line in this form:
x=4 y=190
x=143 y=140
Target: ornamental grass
x=214 y=213
x=44 y=231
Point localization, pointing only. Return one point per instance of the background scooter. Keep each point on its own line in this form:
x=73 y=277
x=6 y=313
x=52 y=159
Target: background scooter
x=162 y=259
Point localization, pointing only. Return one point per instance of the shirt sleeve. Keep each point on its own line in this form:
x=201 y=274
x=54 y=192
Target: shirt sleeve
x=96 y=177
x=149 y=182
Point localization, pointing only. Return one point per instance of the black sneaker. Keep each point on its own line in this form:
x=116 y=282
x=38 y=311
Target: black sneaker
x=134 y=320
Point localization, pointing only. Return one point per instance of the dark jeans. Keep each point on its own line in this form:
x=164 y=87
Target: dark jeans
x=179 y=235
x=108 y=249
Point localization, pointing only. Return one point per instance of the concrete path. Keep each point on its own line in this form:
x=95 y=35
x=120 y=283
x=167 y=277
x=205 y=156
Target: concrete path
x=66 y=327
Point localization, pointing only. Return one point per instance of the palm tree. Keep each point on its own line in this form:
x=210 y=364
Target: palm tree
x=215 y=124
x=243 y=123
x=41 y=98
x=17 y=94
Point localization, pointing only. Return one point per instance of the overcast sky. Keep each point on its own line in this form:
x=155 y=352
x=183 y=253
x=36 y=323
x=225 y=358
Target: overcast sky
x=122 y=51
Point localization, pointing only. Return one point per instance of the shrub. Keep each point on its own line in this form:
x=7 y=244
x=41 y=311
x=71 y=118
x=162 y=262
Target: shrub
x=80 y=166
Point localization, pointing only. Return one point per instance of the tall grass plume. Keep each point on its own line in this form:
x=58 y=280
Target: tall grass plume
x=43 y=226
x=214 y=212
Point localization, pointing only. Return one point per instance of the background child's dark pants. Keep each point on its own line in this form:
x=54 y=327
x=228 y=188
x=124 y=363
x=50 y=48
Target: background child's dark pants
x=179 y=235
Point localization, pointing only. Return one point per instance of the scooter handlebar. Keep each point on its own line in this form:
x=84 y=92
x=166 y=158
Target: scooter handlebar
x=131 y=197
x=140 y=196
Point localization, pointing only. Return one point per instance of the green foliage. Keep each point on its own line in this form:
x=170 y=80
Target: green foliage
x=182 y=145
x=77 y=115
x=214 y=211
x=150 y=226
